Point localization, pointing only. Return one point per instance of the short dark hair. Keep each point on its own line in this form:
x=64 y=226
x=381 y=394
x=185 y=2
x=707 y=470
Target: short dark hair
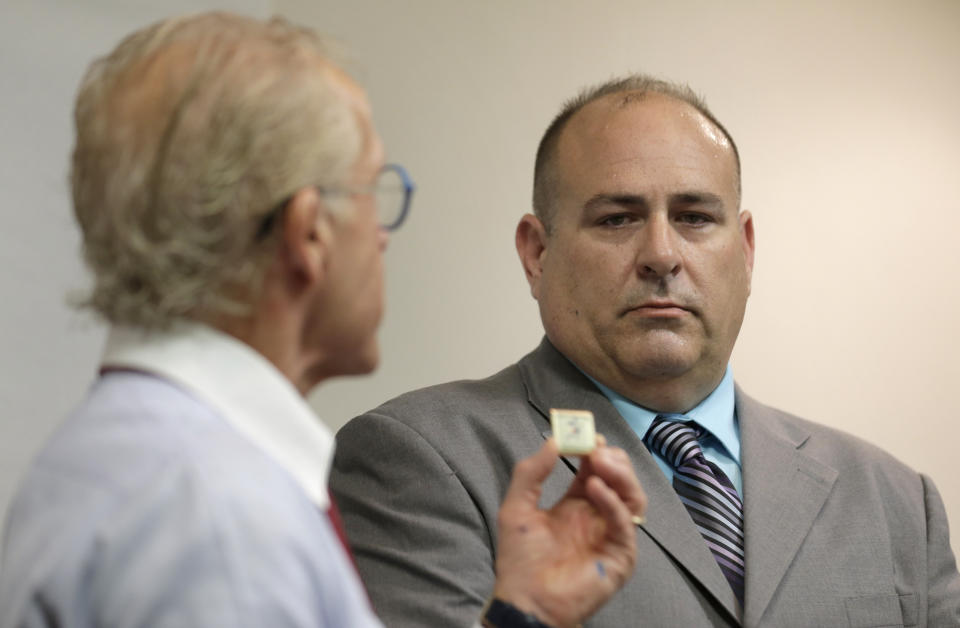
x=634 y=85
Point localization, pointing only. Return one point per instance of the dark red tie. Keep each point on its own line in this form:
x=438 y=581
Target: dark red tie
x=333 y=513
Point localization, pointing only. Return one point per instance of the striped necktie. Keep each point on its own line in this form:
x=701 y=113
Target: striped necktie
x=707 y=493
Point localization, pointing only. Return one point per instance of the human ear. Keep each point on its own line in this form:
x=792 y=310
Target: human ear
x=306 y=237
x=747 y=241
x=531 y=242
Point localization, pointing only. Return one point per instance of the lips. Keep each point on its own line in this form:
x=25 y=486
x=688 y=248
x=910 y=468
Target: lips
x=659 y=309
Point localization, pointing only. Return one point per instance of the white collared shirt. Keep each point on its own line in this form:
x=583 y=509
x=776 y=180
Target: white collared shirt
x=243 y=386
x=188 y=489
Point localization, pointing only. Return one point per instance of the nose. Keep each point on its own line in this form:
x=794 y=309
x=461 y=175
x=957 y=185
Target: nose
x=658 y=255
x=383 y=238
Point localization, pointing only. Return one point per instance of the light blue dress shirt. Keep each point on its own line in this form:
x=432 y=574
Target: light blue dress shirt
x=716 y=413
x=150 y=507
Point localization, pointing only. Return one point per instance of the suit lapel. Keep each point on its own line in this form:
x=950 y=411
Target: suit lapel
x=784 y=491
x=553 y=382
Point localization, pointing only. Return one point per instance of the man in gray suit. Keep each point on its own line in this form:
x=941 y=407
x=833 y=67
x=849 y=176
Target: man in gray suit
x=640 y=260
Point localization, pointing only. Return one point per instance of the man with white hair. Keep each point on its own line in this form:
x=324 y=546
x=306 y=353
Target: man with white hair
x=235 y=204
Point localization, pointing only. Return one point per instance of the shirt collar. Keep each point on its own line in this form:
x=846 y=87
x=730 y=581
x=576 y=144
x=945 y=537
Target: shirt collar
x=715 y=413
x=242 y=385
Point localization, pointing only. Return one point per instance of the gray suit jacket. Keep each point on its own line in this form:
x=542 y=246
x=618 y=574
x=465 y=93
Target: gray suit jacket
x=838 y=533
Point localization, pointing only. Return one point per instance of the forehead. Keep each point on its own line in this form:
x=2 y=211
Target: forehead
x=371 y=147
x=651 y=141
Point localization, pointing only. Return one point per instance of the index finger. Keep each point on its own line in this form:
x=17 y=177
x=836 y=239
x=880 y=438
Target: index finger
x=528 y=476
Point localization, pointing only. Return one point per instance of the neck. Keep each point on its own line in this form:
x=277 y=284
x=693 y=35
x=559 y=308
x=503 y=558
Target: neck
x=276 y=335
x=670 y=394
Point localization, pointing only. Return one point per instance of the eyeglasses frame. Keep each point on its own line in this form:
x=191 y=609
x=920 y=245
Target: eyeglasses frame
x=266 y=223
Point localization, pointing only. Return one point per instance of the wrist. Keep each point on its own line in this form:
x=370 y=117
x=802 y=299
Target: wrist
x=498 y=613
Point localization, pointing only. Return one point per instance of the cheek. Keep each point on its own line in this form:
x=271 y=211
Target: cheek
x=728 y=286
x=361 y=284
x=586 y=284
x=724 y=263
x=371 y=285
x=369 y=258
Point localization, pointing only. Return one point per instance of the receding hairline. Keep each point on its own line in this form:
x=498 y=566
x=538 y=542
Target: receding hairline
x=630 y=90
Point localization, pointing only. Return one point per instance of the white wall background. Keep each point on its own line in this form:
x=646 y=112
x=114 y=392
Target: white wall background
x=847 y=115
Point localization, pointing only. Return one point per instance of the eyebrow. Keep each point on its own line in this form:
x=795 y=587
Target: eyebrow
x=685 y=198
x=699 y=198
x=599 y=200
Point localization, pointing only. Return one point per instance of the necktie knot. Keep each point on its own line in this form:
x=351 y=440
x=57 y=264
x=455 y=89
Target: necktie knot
x=676 y=441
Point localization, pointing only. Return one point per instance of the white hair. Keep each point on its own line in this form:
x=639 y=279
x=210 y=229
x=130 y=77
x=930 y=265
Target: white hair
x=188 y=134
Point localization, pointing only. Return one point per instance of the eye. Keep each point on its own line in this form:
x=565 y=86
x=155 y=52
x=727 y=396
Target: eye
x=694 y=219
x=615 y=220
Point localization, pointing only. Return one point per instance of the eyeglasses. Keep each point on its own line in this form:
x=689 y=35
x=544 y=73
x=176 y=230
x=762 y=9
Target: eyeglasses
x=392 y=192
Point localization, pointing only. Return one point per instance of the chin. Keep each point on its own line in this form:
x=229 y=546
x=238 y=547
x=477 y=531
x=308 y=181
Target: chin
x=367 y=359
x=655 y=360
x=347 y=360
